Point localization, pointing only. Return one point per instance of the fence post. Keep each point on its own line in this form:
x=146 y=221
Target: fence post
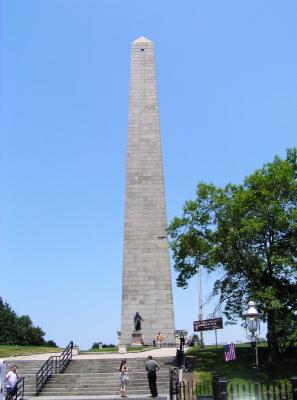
x=177 y=390
x=216 y=387
x=294 y=387
x=223 y=390
x=256 y=390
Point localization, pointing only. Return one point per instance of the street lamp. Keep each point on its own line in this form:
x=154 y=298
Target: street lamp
x=252 y=318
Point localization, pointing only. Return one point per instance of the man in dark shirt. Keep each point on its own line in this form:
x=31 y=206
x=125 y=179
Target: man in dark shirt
x=152 y=367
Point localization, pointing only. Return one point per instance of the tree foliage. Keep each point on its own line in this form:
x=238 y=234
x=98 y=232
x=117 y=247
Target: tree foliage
x=249 y=232
x=18 y=330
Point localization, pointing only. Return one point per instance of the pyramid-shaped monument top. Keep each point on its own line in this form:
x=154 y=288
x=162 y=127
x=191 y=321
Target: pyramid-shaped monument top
x=142 y=39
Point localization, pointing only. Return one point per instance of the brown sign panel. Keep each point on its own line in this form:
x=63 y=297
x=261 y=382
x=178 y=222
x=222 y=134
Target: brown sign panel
x=208 y=324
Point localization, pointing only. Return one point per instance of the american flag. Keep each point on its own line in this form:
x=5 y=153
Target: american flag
x=229 y=352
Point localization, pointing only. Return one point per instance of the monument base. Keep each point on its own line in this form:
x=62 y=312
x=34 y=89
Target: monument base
x=137 y=339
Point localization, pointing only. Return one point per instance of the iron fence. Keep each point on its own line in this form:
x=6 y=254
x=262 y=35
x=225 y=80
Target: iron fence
x=219 y=389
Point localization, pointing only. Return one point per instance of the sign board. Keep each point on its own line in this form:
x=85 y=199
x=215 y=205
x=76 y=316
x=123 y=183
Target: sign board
x=208 y=324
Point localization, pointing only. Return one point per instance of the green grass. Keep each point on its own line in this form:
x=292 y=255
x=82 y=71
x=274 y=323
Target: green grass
x=9 y=351
x=210 y=361
x=104 y=350
x=115 y=350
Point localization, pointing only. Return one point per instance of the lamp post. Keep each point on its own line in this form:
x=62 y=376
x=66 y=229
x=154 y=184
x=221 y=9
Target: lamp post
x=180 y=356
x=252 y=318
x=182 y=341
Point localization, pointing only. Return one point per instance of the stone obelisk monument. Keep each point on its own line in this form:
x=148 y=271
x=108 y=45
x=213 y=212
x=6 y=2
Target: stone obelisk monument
x=146 y=270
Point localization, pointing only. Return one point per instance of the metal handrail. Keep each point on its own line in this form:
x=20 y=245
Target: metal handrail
x=55 y=364
x=65 y=358
x=20 y=389
x=43 y=375
x=174 y=387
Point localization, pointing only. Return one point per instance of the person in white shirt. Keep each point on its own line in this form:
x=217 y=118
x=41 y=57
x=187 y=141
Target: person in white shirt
x=11 y=379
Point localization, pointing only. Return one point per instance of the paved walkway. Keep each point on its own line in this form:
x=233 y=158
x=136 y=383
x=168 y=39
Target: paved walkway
x=164 y=352
x=106 y=397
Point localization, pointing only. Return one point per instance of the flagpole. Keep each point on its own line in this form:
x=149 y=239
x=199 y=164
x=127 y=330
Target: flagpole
x=200 y=304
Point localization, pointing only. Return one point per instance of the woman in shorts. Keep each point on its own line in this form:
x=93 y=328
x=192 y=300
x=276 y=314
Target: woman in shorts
x=124 y=377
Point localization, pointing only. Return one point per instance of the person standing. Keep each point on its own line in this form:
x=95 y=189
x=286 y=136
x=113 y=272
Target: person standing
x=124 y=377
x=159 y=340
x=11 y=379
x=152 y=367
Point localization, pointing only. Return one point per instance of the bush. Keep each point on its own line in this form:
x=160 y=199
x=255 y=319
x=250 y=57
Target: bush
x=51 y=343
x=98 y=345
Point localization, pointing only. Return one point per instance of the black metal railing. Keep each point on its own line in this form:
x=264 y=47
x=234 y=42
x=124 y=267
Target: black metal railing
x=65 y=358
x=20 y=389
x=45 y=372
x=190 y=390
x=54 y=365
x=173 y=383
x=261 y=391
x=219 y=389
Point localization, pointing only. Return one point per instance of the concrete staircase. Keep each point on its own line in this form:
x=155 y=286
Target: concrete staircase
x=101 y=378
x=96 y=377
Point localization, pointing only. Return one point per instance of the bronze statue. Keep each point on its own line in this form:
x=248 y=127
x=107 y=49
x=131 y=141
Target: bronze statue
x=137 y=321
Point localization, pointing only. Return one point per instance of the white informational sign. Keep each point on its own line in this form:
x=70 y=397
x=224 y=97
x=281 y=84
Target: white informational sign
x=2 y=376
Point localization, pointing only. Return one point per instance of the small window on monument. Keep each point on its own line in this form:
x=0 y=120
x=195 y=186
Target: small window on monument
x=141 y=49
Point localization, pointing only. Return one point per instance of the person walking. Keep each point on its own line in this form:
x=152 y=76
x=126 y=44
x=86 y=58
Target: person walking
x=152 y=367
x=11 y=379
x=124 y=377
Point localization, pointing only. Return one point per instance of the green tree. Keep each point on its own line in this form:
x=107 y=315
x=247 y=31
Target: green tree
x=249 y=233
x=8 y=320
x=18 y=329
x=27 y=333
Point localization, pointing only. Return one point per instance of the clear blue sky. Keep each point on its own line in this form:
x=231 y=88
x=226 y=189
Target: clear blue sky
x=227 y=86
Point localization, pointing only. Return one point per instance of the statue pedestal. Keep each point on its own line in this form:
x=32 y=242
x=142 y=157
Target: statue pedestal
x=137 y=339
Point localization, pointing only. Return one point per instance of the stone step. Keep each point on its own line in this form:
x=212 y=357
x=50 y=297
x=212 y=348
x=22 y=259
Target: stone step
x=96 y=385
x=105 y=367
x=116 y=362
x=134 y=396
x=146 y=393
x=104 y=375
x=96 y=382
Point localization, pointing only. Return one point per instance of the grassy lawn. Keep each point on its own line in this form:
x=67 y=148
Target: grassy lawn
x=115 y=350
x=104 y=350
x=210 y=361
x=9 y=351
